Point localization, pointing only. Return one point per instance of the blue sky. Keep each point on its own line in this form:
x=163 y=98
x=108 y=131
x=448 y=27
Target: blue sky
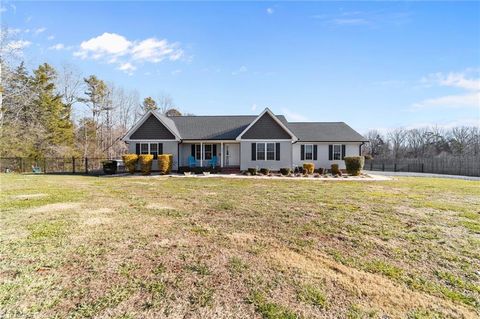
x=371 y=64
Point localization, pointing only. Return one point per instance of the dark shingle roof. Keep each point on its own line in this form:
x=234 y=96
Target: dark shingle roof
x=228 y=127
x=324 y=132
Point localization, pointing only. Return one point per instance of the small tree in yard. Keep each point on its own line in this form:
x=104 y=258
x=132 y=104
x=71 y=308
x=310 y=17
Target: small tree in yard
x=354 y=164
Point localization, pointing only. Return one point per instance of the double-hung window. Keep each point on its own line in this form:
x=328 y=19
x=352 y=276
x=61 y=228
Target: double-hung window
x=149 y=148
x=265 y=151
x=308 y=152
x=154 y=150
x=207 y=151
x=198 y=152
x=337 y=152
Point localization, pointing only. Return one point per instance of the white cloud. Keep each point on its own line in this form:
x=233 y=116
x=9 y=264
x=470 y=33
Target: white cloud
x=127 y=67
x=117 y=49
x=50 y=37
x=352 y=21
x=39 y=30
x=18 y=45
x=254 y=107
x=58 y=46
x=270 y=11
x=3 y=9
x=242 y=69
x=292 y=116
x=176 y=72
x=468 y=81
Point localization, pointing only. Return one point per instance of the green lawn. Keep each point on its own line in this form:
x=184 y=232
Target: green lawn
x=76 y=246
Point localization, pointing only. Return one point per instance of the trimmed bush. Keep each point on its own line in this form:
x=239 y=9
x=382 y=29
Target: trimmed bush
x=309 y=168
x=145 y=161
x=285 y=171
x=264 y=171
x=354 y=164
x=334 y=169
x=252 y=171
x=321 y=171
x=130 y=161
x=165 y=163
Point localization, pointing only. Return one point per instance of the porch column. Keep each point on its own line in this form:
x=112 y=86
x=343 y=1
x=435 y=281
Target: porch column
x=221 y=154
x=201 y=154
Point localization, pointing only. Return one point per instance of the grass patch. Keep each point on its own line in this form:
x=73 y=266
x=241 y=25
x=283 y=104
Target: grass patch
x=270 y=310
x=312 y=295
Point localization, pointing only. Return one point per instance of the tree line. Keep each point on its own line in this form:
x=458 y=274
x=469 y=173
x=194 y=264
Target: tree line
x=427 y=142
x=49 y=112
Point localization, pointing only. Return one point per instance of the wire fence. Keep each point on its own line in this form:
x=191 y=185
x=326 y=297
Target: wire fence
x=466 y=166
x=58 y=165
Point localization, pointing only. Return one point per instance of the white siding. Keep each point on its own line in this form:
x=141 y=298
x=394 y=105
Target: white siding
x=351 y=149
x=246 y=156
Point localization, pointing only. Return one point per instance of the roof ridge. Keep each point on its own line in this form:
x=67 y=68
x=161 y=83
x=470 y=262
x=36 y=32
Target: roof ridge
x=313 y=122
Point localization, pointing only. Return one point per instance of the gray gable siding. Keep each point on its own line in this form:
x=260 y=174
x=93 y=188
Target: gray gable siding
x=152 y=129
x=266 y=128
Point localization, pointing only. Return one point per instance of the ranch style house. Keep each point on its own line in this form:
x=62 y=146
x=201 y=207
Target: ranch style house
x=239 y=142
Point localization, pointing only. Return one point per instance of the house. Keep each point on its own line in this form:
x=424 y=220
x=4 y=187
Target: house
x=243 y=141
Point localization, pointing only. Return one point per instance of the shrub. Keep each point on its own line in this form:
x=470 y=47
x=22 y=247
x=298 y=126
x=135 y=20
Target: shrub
x=165 y=163
x=130 y=161
x=354 y=164
x=285 y=171
x=309 y=168
x=252 y=171
x=145 y=163
x=264 y=171
x=321 y=171
x=334 y=169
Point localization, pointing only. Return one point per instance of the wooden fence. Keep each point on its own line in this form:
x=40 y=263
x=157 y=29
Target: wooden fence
x=70 y=165
x=466 y=166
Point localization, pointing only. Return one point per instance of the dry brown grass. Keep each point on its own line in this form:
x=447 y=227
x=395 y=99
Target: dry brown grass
x=224 y=248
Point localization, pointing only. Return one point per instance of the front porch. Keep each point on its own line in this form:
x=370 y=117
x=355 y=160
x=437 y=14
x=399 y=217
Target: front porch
x=213 y=154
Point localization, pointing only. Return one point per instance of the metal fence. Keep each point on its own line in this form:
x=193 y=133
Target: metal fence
x=466 y=166
x=70 y=165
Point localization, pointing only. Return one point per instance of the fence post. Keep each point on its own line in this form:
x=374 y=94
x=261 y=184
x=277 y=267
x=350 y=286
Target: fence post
x=86 y=165
x=44 y=166
x=383 y=166
x=371 y=165
x=73 y=164
x=395 y=167
x=21 y=164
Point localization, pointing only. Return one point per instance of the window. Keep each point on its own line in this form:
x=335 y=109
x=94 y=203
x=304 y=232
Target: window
x=154 y=150
x=260 y=151
x=207 y=151
x=198 y=152
x=265 y=151
x=337 y=152
x=144 y=148
x=308 y=151
x=270 y=151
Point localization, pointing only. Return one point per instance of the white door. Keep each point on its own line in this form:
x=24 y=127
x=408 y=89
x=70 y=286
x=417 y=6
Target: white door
x=232 y=154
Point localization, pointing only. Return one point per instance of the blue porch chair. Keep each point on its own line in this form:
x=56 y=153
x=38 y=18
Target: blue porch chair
x=213 y=161
x=191 y=161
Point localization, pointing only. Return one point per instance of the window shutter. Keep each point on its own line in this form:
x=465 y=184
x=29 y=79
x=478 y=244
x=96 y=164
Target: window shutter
x=277 y=151
x=192 y=153
x=137 y=148
x=330 y=152
x=343 y=151
x=302 y=152
x=315 y=150
x=160 y=148
x=214 y=150
x=254 y=151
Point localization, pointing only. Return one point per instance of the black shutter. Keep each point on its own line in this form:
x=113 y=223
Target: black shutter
x=193 y=150
x=277 y=151
x=137 y=148
x=360 y=150
x=214 y=150
x=302 y=152
x=160 y=148
x=315 y=150
x=254 y=151
x=330 y=152
x=343 y=151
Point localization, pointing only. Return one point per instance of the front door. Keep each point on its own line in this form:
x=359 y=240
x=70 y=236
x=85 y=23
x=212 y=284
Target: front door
x=232 y=152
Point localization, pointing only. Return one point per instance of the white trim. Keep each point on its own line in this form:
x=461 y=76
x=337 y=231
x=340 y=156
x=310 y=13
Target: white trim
x=265 y=151
x=305 y=152
x=141 y=141
x=209 y=141
x=267 y=110
x=139 y=123
x=263 y=140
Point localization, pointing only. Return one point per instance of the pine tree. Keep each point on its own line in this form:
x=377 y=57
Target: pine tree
x=149 y=104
